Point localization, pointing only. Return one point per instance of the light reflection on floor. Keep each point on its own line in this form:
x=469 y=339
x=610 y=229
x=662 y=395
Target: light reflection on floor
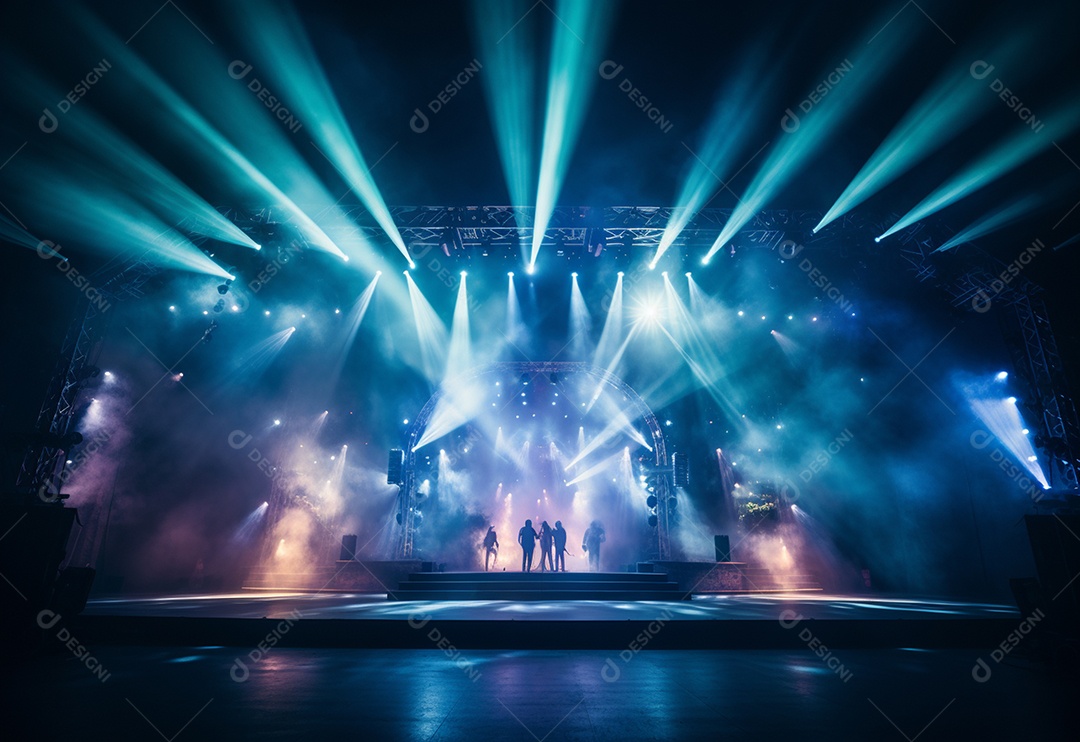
x=712 y=607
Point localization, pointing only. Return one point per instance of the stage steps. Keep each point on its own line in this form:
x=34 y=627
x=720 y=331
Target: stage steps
x=761 y=579
x=529 y=586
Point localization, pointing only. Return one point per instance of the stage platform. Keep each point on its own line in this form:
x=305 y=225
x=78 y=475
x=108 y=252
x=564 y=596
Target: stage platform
x=538 y=586
x=775 y=621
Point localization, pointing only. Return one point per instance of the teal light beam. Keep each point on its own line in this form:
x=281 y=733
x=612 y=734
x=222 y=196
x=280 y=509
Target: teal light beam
x=289 y=54
x=581 y=29
x=1007 y=155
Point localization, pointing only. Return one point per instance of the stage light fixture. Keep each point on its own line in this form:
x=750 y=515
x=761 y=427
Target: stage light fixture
x=573 y=275
x=689 y=274
x=619 y=274
x=653 y=521
x=223 y=288
x=1002 y=375
x=651 y=501
x=510 y=274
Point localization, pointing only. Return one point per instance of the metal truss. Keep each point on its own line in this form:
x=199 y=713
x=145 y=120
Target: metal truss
x=45 y=456
x=582 y=230
x=1036 y=360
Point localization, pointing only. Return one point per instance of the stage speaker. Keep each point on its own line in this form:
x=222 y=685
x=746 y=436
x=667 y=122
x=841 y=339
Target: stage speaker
x=72 y=590
x=395 y=467
x=348 y=548
x=1027 y=592
x=723 y=548
x=1057 y=562
x=681 y=466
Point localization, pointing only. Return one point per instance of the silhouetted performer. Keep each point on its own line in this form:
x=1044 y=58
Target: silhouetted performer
x=546 y=542
x=527 y=538
x=491 y=547
x=590 y=542
x=559 y=534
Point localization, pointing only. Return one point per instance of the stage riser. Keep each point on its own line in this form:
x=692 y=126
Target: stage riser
x=532 y=596
x=635 y=577
x=536 y=586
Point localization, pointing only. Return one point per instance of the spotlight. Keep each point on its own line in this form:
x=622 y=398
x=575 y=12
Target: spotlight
x=172 y=307
x=664 y=274
x=277 y=422
x=688 y=274
x=511 y=274
x=741 y=313
x=412 y=264
x=1011 y=400
x=1002 y=375
x=463 y=274
x=704 y=261
x=619 y=274
x=267 y=312
x=378 y=273
x=405 y=272
x=573 y=275
x=337 y=311
x=530 y=268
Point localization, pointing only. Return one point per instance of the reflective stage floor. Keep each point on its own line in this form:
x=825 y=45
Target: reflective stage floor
x=708 y=607
x=748 y=667
x=773 y=621
x=200 y=693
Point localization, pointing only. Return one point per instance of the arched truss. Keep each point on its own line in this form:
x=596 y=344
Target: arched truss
x=407 y=494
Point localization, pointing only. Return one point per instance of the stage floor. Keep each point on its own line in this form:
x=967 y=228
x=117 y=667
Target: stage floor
x=773 y=621
x=815 y=606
